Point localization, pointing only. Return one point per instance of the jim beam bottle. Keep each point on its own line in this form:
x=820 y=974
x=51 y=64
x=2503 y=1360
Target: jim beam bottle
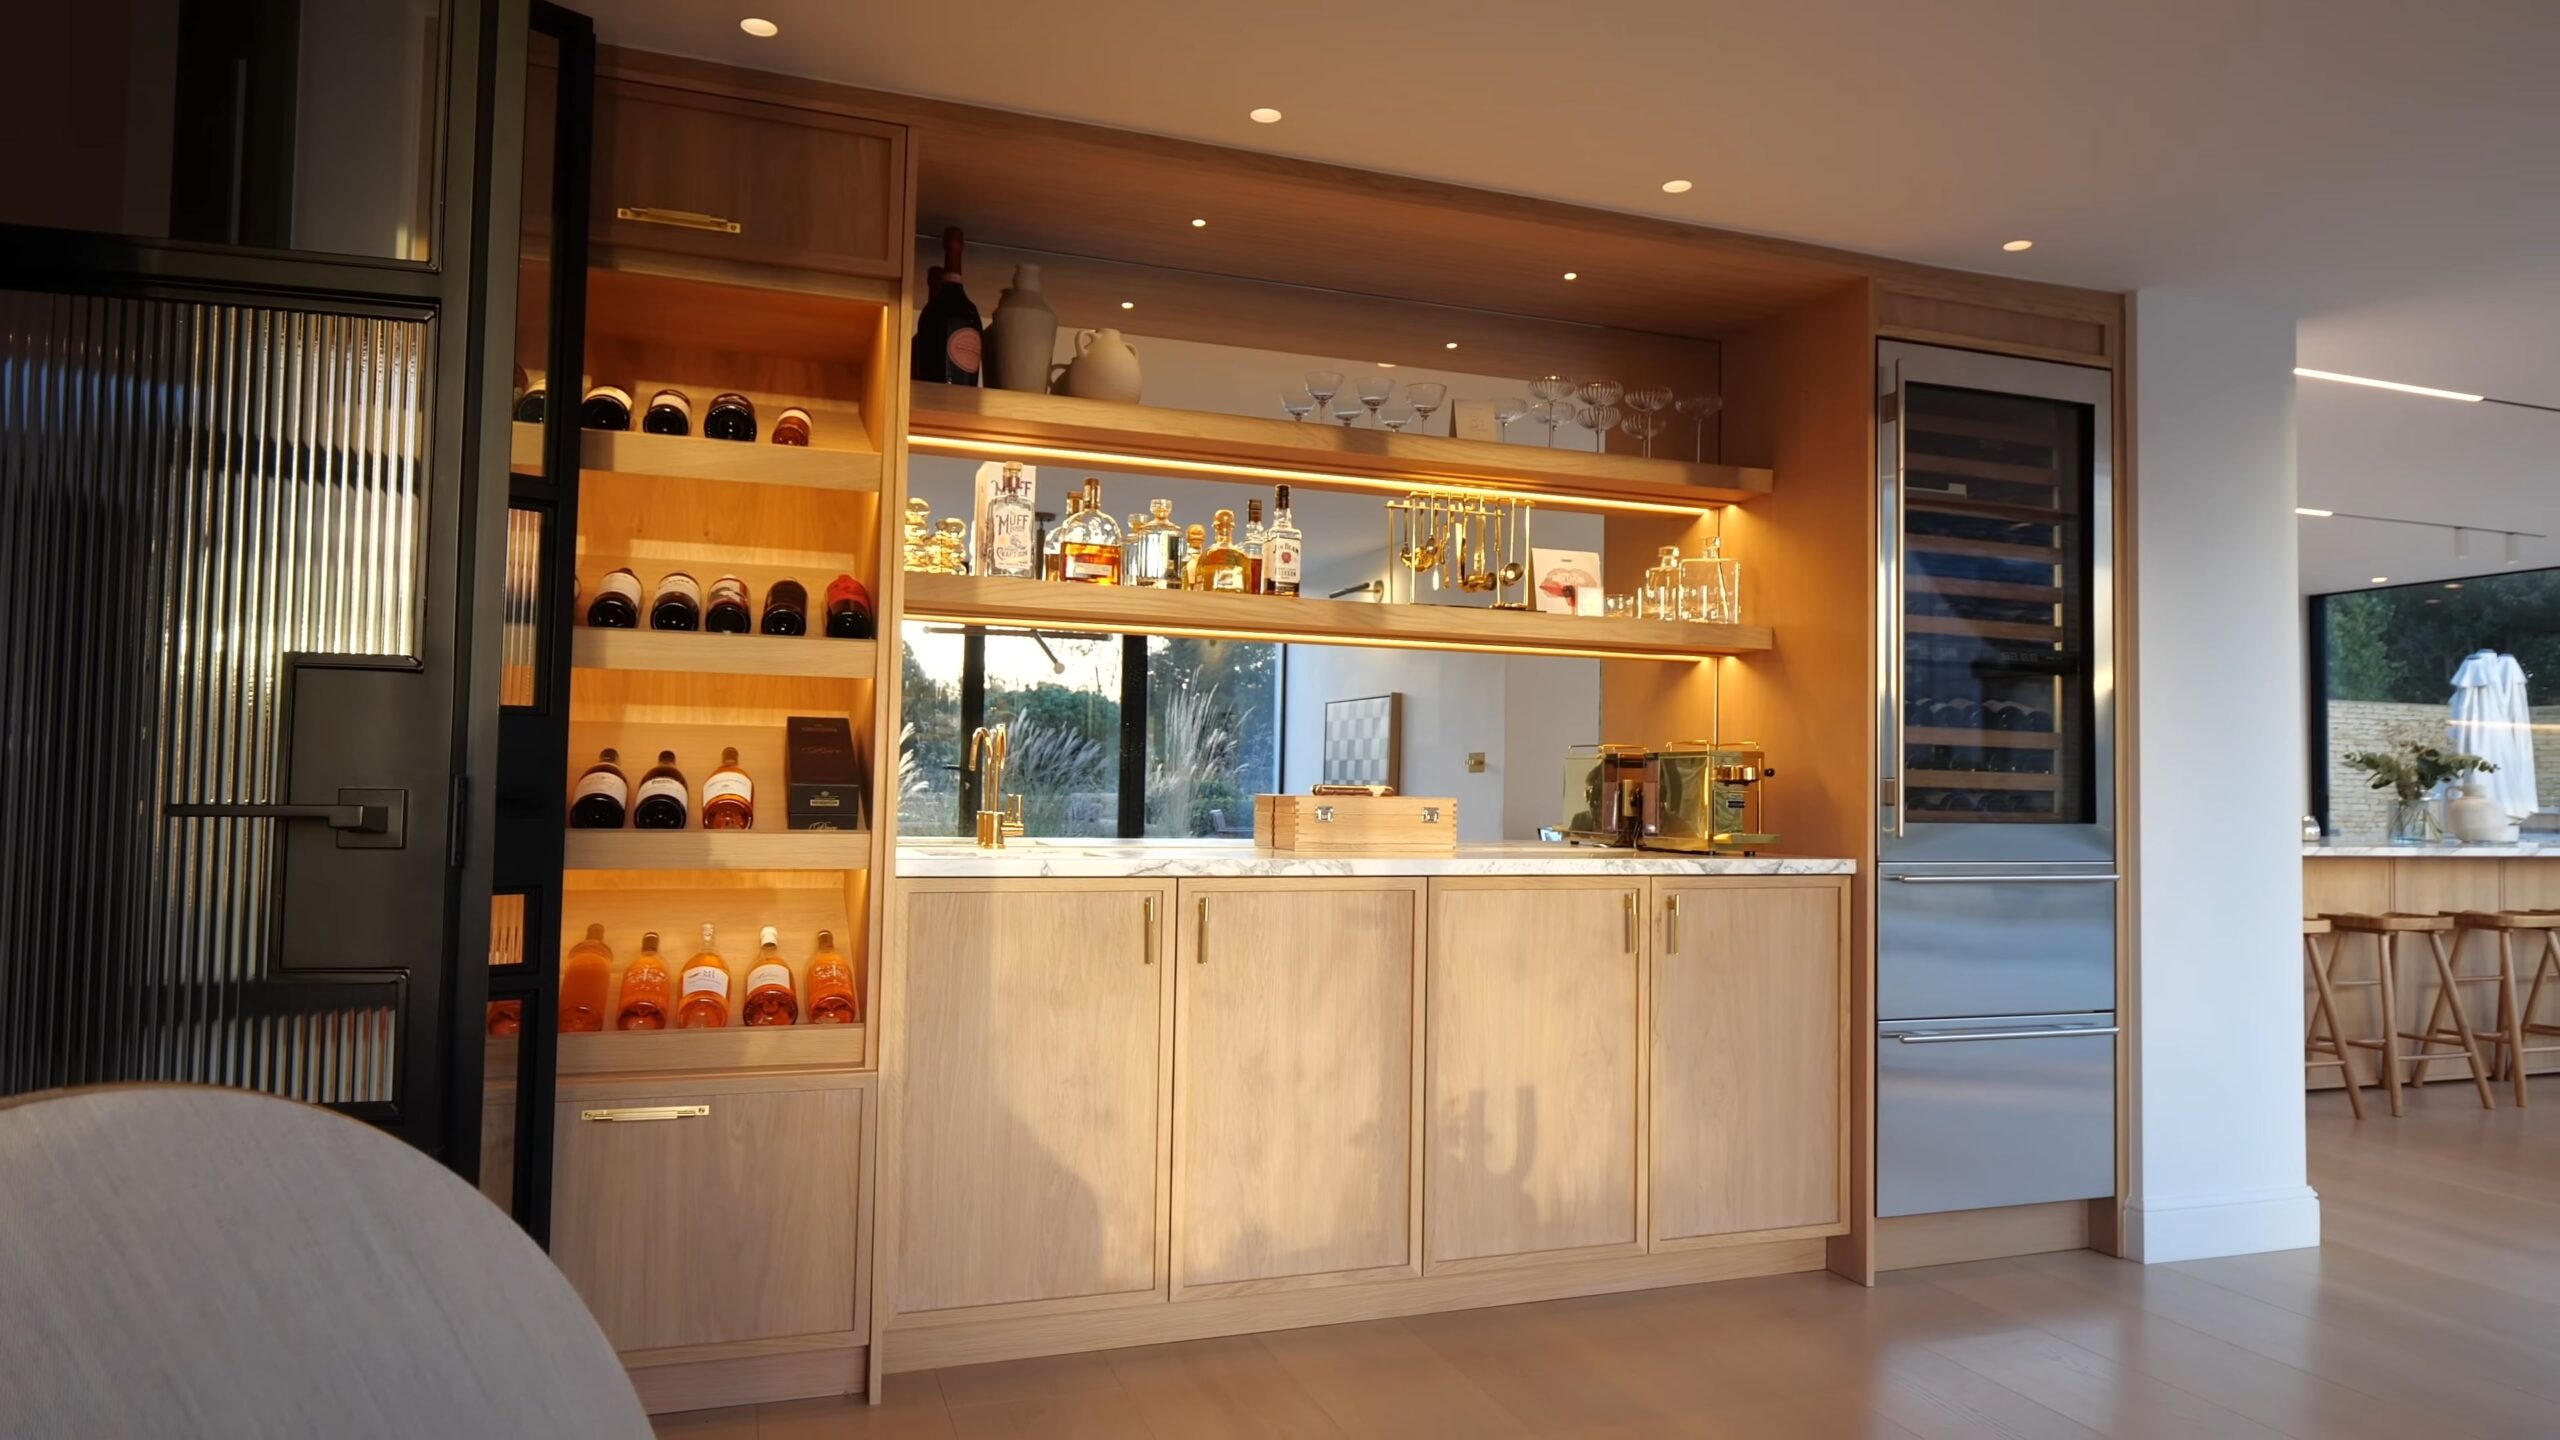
x=1283 y=549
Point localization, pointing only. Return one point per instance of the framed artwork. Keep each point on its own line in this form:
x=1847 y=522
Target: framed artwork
x=1559 y=578
x=1364 y=741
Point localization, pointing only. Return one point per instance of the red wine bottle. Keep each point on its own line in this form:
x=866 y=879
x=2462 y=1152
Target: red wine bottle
x=950 y=339
x=849 y=614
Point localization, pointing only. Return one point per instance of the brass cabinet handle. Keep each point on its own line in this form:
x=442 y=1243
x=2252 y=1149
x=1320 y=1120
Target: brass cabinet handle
x=1147 y=952
x=1630 y=898
x=681 y=219
x=1200 y=953
x=1671 y=926
x=646 y=1112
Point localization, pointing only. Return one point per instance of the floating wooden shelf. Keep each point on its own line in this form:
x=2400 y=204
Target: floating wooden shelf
x=690 y=457
x=718 y=850
x=731 y=1048
x=1145 y=440
x=1982 y=739
x=1116 y=609
x=695 y=653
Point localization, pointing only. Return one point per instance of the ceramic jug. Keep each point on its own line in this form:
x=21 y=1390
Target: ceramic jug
x=2473 y=817
x=1022 y=336
x=1105 y=368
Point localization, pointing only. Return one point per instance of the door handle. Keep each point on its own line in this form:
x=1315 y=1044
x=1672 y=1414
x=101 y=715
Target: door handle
x=2005 y=879
x=1899 y=636
x=1632 y=941
x=1951 y=1037
x=682 y=219
x=1671 y=926
x=364 y=819
x=1200 y=952
x=1147 y=947
x=646 y=1112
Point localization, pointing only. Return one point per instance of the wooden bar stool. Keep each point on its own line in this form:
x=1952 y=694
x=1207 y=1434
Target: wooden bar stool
x=2387 y=931
x=2508 y=1039
x=2321 y=1044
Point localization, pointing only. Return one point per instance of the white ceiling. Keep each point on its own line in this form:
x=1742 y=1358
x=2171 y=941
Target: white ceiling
x=2386 y=169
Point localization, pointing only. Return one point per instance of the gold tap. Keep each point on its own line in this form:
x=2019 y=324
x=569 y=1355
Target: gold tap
x=987 y=746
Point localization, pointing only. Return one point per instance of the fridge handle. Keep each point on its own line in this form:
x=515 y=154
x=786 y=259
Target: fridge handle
x=2004 y=879
x=1951 y=1037
x=1895 y=597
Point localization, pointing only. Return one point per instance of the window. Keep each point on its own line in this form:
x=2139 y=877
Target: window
x=1109 y=735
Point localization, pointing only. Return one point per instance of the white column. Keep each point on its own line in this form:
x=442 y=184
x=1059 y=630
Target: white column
x=2217 y=1153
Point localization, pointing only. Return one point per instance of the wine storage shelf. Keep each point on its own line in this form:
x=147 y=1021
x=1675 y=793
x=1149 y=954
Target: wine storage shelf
x=733 y=1047
x=1186 y=444
x=690 y=457
x=1115 y=609
x=718 y=850
x=689 y=652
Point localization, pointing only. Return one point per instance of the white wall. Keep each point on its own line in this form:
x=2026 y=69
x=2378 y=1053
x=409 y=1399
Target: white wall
x=2218 y=1163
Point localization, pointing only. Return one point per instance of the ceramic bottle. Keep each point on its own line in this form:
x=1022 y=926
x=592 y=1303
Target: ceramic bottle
x=1022 y=336
x=1105 y=368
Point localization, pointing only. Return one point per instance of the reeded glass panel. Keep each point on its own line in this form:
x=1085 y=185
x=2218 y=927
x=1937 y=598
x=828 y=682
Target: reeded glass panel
x=520 y=650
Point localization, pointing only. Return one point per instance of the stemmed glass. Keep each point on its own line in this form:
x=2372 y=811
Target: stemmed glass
x=1552 y=413
x=1699 y=409
x=1599 y=412
x=1552 y=392
x=1425 y=398
x=1373 y=391
x=1297 y=402
x=1506 y=410
x=1648 y=401
x=1323 y=385
x=1398 y=414
x=1346 y=408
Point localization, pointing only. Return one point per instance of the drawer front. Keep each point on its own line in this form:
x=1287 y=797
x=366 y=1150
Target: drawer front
x=804 y=190
x=737 y=1223
x=1973 y=1114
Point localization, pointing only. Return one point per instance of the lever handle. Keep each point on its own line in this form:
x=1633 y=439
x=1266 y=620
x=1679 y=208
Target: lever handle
x=365 y=819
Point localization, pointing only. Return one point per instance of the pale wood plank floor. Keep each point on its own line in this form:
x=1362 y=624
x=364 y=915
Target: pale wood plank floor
x=2434 y=1310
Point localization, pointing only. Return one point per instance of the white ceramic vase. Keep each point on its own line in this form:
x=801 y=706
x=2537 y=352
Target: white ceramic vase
x=1105 y=368
x=2473 y=817
x=1022 y=336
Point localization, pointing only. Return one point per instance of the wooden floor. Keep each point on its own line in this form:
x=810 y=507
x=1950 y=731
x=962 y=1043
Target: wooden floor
x=2434 y=1310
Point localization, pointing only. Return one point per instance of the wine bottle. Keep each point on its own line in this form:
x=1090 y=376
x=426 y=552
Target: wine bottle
x=724 y=612
x=602 y=796
x=772 y=996
x=849 y=614
x=586 y=973
x=786 y=608
x=792 y=427
x=670 y=413
x=617 y=602
x=729 y=796
x=704 y=987
x=607 y=407
x=644 y=989
x=678 y=605
x=950 y=339
x=664 y=803
x=732 y=416
x=835 y=995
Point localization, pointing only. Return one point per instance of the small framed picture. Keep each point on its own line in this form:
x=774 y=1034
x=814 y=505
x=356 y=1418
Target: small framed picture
x=1364 y=740
x=1473 y=420
x=1563 y=577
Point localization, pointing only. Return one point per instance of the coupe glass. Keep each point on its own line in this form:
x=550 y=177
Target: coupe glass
x=1644 y=425
x=1649 y=401
x=1506 y=410
x=1599 y=420
x=1552 y=413
x=1425 y=398
x=1297 y=402
x=1346 y=408
x=1324 y=385
x=1398 y=414
x=1551 y=389
x=1699 y=409
x=1373 y=391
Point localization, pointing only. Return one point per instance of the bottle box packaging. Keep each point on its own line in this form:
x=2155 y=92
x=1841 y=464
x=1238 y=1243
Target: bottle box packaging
x=822 y=773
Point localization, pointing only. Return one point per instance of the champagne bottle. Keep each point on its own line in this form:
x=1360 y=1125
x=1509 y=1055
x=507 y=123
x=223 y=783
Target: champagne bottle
x=950 y=339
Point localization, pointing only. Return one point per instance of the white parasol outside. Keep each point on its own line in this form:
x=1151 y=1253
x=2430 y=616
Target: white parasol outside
x=2491 y=720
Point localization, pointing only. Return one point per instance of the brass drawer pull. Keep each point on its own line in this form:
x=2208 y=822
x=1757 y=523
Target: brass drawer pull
x=682 y=219
x=1200 y=954
x=1671 y=926
x=1632 y=940
x=646 y=1112
x=1147 y=947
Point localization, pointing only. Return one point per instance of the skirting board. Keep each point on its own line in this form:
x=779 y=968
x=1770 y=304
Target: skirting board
x=1907 y=1242
x=943 y=1341
x=751 y=1379
x=2205 y=1226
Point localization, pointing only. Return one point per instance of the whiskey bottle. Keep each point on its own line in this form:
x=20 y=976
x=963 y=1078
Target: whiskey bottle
x=1194 y=541
x=644 y=989
x=1222 y=565
x=732 y=416
x=849 y=610
x=835 y=994
x=791 y=427
x=786 y=608
x=1283 y=549
x=771 y=996
x=1053 y=543
x=1151 y=553
x=725 y=612
x=678 y=603
x=729 y=797
x=670 y=413
x=586 y=973
x=603 y=795
x=1007 y=548
x=950 y=341
x=617 y=602
x=1253 y=546
x=607 y=407
x=663 y=803
x=703 y=991
x=1090 y=549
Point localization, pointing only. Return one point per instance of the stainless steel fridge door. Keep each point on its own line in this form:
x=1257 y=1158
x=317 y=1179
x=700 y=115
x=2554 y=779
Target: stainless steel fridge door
x=2018 y=1110
x=1979 y=940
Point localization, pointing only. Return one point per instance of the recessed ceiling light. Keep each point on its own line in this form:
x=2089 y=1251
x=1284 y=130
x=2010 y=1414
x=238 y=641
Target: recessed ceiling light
x=1128 y=304
x=2453 y=584
x=1452 y=345
x=1675 y=187
x=2387 y=385
x=762 y=29
x=2381 y=579
x=2314 y=514
x=1386 y=364
x=1196 y=224
x=1572 y=275
x=1264 y=115
x=2015 y=246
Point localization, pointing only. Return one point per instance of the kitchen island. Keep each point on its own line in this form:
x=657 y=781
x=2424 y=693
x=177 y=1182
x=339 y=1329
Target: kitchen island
x=1145 y=1091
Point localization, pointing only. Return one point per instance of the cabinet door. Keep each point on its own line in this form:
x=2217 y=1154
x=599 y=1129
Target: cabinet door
x=1294 y=1081
x=1748 y=1061
x=740 y=1223
x=1535 y=1003
x=806 y=190
x=1032 y=1120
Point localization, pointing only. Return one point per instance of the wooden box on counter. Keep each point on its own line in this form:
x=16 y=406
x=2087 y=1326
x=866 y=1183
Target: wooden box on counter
x=1356 y=824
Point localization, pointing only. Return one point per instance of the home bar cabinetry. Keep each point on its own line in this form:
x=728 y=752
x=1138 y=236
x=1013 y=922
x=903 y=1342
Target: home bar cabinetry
x=1146 y=1091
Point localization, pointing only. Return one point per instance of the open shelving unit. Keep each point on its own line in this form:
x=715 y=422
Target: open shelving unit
x=693 y=653
x=690 y=850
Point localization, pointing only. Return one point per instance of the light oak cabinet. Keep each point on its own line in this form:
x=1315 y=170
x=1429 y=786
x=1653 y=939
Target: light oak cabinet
x=675 y=170
x=1534 y=1101
x=719 y=1210
x=1296 y=1054
x=1036 y=1080
x=1748 y=1059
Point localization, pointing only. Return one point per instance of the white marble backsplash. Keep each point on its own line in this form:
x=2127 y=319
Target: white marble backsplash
x=1196 y=859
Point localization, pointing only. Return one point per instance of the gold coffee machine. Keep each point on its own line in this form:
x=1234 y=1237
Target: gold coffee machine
x=1690 y=795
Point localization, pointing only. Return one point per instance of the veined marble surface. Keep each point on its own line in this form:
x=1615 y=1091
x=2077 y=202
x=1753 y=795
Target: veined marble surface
x=1108 y=859
x=2371 y=848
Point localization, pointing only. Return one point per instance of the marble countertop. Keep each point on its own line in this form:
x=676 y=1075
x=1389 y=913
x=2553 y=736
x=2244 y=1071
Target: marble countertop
x=2368 y=847
x=1106 y=859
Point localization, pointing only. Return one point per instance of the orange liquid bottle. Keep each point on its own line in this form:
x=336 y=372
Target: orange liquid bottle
x=835 y=997
x=506 y=1017
x=706 y=990
x=772 y=997
x=644 y=989
x=586 y=974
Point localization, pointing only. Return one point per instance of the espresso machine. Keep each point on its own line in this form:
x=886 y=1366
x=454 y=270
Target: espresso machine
x=1690 y=795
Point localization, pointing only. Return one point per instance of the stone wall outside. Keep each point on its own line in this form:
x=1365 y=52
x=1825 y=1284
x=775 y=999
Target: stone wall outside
x=2357 y=810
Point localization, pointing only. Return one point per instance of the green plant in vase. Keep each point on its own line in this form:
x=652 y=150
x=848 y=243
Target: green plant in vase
x=2411 y=770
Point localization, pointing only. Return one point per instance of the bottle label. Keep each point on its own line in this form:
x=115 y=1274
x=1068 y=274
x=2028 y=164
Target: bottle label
x=768 y=974
x=963 y=345
x=706 y=980
x=662 y=787
x=830 y=972
x=730 y=587
x=620 y=582
x=1227 y=580
x=1009 y=543
x=1091 y=566
x=679 y=583
x=728 y=783
x=1280 y=562
x=603 y=782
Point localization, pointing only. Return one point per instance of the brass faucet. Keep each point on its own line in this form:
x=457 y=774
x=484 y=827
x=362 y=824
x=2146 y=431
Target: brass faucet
x=987 y=747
